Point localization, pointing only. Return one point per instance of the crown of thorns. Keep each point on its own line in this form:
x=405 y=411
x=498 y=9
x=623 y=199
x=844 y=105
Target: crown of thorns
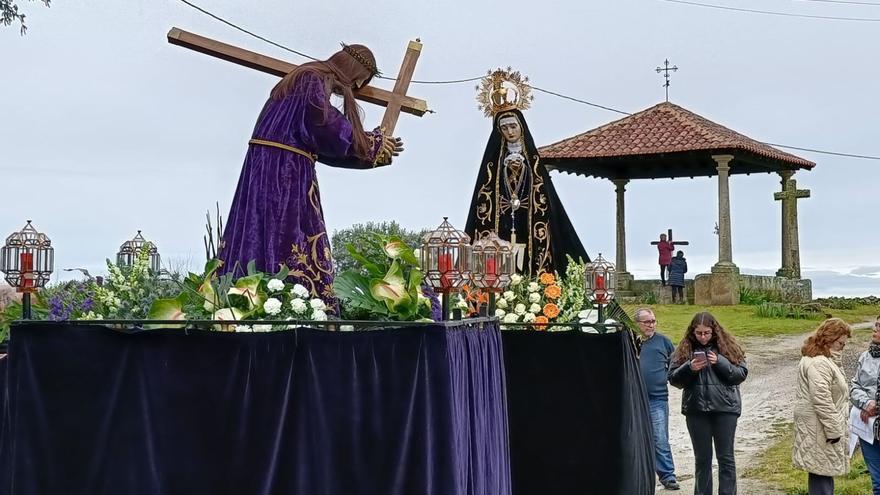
x=370 y=66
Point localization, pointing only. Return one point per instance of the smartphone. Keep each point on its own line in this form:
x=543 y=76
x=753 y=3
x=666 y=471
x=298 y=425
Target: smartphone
x=700 y=356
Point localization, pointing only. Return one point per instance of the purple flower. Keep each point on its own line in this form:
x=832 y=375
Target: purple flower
x=436 y=309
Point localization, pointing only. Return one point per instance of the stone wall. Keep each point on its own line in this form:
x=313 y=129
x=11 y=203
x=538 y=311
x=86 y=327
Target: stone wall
x=791 y=289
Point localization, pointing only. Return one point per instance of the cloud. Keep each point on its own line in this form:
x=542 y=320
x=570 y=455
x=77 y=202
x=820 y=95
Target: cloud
x=867 y=271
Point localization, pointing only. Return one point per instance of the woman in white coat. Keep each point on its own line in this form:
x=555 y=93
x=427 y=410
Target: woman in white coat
x=821 y=419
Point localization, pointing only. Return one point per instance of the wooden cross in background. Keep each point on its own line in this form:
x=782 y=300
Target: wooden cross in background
x=395 y=101
x=669 y=239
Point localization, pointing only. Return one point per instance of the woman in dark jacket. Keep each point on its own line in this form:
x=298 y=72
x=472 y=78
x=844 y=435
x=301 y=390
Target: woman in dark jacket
x=677 y=268
x=709 y=365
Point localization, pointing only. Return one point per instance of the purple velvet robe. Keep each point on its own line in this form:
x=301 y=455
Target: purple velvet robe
x=276 y=214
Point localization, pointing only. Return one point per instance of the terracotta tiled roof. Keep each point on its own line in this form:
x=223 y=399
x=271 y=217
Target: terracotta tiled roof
x=663 y=128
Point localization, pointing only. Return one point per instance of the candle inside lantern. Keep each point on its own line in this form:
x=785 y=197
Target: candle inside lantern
x=491 y=271
x=26 y=269
x=444 y=266
x=600 y=282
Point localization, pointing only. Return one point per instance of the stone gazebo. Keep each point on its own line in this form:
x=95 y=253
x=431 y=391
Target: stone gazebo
x=668 y=141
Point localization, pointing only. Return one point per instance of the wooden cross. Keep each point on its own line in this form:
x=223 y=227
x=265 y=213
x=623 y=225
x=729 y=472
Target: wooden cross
x=669 y=239
x=395 y=101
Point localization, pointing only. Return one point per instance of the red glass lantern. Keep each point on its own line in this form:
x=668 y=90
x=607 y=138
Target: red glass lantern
x=492 y=265
x=446 y=258
x=27 y=259
x=600 y=280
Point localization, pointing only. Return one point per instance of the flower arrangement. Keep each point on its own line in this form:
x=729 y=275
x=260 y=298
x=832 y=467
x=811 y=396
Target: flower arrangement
x=386 y=284
x=248 y=299
x=547 y=298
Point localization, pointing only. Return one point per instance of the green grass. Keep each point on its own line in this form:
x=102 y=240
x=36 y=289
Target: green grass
x=774 y=466
x=672 y=319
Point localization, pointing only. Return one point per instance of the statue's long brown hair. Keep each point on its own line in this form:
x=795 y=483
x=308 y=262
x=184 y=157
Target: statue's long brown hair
x=339 y=72
x=721 y=340
x=819 y=343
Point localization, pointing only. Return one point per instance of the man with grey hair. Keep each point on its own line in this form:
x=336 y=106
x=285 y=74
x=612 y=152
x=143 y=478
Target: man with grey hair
x=654 y=364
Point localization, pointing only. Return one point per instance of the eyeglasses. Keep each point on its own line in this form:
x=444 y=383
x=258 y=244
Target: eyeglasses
x=648 y=322
x=709 y=333
x=877 y=324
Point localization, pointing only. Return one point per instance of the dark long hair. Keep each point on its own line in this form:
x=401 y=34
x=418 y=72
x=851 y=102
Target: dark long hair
x=340 y=72
x=721 y=340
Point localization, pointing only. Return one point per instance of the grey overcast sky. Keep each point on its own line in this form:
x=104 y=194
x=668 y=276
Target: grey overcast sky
x=105 y=128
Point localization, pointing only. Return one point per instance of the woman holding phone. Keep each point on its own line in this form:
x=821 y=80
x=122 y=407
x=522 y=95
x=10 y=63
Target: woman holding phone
x=709 y=365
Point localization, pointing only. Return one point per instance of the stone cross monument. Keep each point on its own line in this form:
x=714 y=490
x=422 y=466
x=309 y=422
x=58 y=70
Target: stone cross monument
x=791 y=256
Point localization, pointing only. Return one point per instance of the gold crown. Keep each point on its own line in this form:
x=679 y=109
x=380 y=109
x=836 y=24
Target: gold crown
x=361 y=59
x=502 y=90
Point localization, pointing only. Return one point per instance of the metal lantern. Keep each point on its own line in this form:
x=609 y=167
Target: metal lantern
x=492 y=266
x=27 y=260
x=600 y=281
x=446 y=260
x=129 y=250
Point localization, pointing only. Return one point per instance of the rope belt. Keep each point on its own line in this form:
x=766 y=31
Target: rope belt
x=311 y=156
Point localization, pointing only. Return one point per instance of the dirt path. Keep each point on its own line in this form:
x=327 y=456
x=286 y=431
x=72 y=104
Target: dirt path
x=767 y=396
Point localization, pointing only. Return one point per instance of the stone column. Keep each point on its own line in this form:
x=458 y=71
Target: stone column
x=721 y=287
x=620 y=188
x=624 y=278
x=786 y=268
x=791 y=256
x=725 y=256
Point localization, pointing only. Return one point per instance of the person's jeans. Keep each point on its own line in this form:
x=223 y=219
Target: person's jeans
x=719 y=429
x=871 y=453
x=662 y=453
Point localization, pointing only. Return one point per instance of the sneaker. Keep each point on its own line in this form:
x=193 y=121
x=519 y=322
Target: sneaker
x=670 y=484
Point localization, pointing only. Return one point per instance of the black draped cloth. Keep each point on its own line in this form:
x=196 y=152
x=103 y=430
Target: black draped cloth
x=578 y=415
x=540 y=220
x=94 y=411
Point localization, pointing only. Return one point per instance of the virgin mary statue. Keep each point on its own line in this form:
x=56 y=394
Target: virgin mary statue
x=514 y=196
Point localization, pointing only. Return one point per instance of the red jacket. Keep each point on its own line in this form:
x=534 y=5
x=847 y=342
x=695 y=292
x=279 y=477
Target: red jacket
x=665 y=248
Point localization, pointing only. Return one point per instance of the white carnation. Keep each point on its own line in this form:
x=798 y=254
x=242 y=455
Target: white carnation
x=500 y=313
x=509 y=295
x=317 y=305
x=502 y=303
x=534 y=297
x=275 y=285
x=534 y=287
x=298 y=306
x=535 y=308
x=299 y=291
x=510 y=318
x=529 y=317
x=515 y=279
x=319 y=315
x=520 y=309
x=272 y=306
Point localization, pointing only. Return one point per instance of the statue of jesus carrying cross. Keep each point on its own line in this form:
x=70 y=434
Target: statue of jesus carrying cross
x=276 y=216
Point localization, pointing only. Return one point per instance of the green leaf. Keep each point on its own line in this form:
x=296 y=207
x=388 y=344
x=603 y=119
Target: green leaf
x=246 y=293
x=252 y=268
x=283 y=272
x=374 y=269
x=354 y=289
x=211 y=267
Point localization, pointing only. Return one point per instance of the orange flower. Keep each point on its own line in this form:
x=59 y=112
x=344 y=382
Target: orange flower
x=538 y=322
x=553 y=291
x=551 y=310
x=547 y=278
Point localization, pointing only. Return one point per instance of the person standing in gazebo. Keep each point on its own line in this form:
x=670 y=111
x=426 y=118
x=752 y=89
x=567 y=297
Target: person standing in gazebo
x=665 y=249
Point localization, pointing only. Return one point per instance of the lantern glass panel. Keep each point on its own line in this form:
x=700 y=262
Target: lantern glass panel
x=445 y=258
x=492 y=265
x=27 y=259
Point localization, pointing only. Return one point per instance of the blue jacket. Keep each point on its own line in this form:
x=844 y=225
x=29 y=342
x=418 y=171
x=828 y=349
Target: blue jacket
x=654 y=365
x=677 y=269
